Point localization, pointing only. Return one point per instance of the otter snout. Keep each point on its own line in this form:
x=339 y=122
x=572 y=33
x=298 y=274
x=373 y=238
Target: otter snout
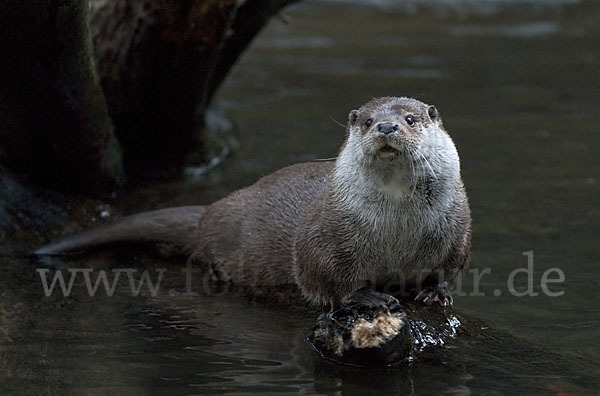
x=387 y=127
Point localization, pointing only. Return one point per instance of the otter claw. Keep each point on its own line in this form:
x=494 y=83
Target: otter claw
x=438 y=294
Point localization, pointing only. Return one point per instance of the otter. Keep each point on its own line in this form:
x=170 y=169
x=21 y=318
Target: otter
x=391 y=212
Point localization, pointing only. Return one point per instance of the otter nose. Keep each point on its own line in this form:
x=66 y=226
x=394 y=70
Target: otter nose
x=387 y=127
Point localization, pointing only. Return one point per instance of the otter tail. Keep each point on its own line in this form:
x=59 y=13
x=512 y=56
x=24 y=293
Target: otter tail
x=176 y=226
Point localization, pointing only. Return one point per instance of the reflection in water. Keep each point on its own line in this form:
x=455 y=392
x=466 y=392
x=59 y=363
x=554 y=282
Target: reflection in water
x=516 y=86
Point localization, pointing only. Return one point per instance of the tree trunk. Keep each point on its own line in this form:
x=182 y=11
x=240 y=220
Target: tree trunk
x=159 y=64
x=54 y=127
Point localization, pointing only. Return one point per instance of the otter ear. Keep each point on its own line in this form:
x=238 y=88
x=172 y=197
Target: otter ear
x=434 y=115
x=353 y=116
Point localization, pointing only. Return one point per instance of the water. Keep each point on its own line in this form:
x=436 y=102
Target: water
x=518 y=89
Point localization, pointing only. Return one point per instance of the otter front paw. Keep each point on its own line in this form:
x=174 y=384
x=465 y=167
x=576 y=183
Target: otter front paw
x=433 y=294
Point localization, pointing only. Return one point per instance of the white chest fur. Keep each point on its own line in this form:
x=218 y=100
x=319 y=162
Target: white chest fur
x=393 y=211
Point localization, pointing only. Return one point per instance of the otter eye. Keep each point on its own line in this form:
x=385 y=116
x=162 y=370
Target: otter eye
x=369 y=122
x=410 y=120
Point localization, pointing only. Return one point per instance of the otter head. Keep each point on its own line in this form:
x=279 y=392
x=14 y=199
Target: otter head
x=400 y=141
x=386 y=128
